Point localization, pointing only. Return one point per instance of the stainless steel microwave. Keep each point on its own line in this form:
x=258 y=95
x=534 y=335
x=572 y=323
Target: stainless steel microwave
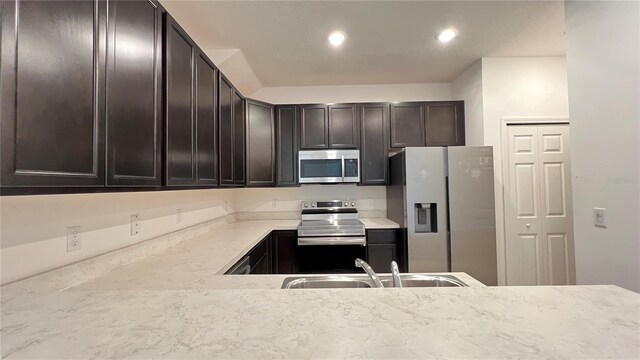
x=328 y=166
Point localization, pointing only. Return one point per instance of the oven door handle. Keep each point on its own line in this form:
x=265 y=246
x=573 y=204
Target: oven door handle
x=332 y=240
x=342 y=162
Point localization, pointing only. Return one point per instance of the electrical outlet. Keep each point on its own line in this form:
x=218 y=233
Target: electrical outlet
x=273 y=203
x=178 y=216
x=135 y=224
x=74 y=242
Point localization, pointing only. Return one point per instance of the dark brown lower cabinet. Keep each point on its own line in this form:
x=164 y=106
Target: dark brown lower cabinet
x=285 y=245
x=383 y=247
x=260 y=257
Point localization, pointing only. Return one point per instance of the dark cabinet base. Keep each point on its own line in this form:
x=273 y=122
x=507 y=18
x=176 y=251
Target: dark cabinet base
x=279 y=253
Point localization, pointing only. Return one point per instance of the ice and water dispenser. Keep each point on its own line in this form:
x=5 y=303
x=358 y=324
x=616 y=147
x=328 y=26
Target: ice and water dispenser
x=426 y=217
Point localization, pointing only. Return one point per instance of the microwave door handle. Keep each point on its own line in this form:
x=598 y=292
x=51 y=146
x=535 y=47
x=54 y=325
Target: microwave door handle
x=342 y=168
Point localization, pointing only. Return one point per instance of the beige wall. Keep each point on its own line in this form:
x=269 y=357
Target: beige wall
x=468 y=87
x=354 y=93
x=604 y=100
x=33 y=229
x=532 y=87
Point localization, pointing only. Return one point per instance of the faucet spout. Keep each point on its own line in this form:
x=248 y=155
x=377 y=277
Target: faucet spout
x=372 y=274
x=395 y=274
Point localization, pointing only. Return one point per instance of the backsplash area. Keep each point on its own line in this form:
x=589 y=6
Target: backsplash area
x=33 y=234
x=284 y=203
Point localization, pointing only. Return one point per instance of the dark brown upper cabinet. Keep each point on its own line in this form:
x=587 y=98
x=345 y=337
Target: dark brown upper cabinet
x=374 y=148
x=51 y=94
x=314 y=127
x=206 y=122
x=343 y=127
x=231 y=134
x=238 y=138
x=445 y=123
x=261 y=144
x=286 y=145
x=133 y=94
x=180 y=87
x=225 y=118
x=407 y=125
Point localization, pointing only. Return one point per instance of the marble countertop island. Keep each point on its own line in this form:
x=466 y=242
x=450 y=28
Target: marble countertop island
x=174 y=304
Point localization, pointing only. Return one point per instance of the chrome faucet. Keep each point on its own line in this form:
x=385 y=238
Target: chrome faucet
x=367 y=268
x=395 y=274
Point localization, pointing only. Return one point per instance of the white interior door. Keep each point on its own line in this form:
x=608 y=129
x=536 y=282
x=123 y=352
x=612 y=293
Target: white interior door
x=538 y=214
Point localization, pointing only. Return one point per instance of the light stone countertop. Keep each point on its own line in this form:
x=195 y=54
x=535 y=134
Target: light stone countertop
x=174 y=304
x=488 y=323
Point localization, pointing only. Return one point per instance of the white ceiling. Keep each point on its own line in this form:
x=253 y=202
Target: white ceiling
x=388 y=42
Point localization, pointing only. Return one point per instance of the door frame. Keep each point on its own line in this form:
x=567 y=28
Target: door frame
x=504 y=162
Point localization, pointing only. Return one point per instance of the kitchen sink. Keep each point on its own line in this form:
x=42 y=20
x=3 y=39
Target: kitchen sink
x=363 y=281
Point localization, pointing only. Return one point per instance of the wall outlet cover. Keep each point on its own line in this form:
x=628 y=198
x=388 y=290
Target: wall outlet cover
x=74 y=242
x=600 y=217
x=178 y=216
x=135 y=224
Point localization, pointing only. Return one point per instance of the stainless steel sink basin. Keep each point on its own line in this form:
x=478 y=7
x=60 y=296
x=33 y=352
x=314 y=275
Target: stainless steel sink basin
x=325 y=282
x=363 y=281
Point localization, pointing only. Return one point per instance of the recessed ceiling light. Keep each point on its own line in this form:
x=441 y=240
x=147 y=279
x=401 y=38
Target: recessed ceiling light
x=336 y=38
x=447 y=35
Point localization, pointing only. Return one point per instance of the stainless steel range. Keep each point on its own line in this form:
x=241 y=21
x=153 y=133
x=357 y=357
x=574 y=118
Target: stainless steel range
x=332 y=222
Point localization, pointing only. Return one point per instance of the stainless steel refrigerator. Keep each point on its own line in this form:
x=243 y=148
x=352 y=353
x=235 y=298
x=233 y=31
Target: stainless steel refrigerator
x=444 y=199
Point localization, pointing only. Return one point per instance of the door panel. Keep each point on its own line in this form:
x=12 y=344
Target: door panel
x=555 y=180
x=238 y=138
x=134 y=113
x=523 y=231
x=407 y=125
x=343 y=127
x=287 y=146
x=539 y=239
x=206 y=122
x=445 y=124
x=225 y=119
x=314 y=127
x=260 y=144
x=180 y=125
x=374 y=120
x=52 y=104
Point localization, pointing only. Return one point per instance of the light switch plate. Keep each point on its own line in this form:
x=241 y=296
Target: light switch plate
x=600 y=217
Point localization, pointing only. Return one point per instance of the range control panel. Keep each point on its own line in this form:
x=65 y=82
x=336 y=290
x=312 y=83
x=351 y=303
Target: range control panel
x=333 y=204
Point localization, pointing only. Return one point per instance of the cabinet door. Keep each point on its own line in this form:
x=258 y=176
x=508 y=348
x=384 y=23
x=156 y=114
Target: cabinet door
x=343 y=127
x=134 y=110
x=374 y=120
x=180 y=125
x=226 y=93
x=238 y=138
x=206 y=122
x=407 y=125
x=314 y=127
x=51 y=103
x=381 y=256
x=286 y=146
x=260 y=144
x=445 y=123
x=385 y=246
x=285 y=244
x=260 y=257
